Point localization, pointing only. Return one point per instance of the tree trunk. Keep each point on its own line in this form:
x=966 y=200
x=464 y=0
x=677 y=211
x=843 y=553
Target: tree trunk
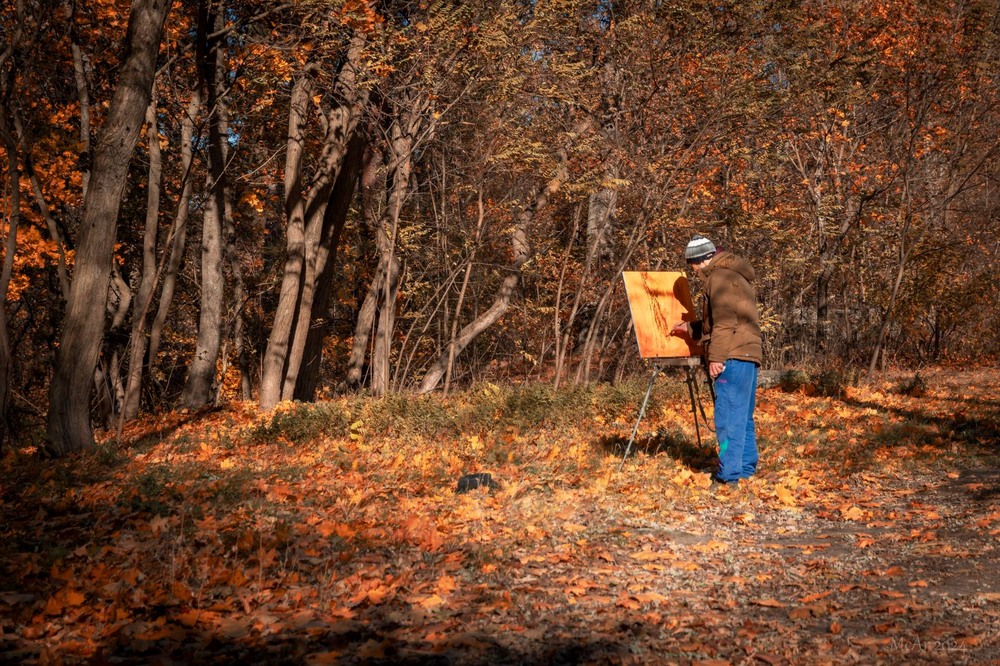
x=69 y=426
x=380 y=369
x=239 y=296
x=10 y=247
x=322 y=234
x=147 y=280
x=333 y=225
x=284 y=317
x=287 y=342
x=178 y=232
x=403 y=138
x=82 y=94
x=372 y=182
x=201 y=386
x=598 y=222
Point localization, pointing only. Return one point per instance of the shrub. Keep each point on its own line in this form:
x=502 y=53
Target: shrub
x=301 y=423
x=793 y=380
x=827 y=382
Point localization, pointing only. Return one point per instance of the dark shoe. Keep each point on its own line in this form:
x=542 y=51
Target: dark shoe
x=719 y=484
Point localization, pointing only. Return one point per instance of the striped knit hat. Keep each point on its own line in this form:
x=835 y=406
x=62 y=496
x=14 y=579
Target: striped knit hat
x=699 y=249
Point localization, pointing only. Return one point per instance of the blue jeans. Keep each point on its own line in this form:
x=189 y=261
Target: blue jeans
x=735 y=397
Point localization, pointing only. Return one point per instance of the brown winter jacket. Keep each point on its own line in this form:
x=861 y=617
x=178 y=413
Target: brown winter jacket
x=730 y=326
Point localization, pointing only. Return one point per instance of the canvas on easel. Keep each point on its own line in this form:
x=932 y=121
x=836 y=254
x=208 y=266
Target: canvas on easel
x=658 y=300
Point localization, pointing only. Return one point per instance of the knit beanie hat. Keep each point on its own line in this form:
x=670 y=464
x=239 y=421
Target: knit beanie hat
x=699 y=249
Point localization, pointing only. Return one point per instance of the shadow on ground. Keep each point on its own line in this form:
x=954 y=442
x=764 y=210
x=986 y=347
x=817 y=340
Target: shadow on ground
x=674 y=445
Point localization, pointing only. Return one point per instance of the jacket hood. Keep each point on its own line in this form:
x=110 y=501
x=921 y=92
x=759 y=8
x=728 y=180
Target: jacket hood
x=733 y=262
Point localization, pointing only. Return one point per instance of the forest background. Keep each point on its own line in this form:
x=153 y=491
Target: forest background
x=208 y=201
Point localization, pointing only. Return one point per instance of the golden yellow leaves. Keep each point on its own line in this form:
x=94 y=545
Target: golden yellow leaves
x=784 y=495
x=685 y=477
x=423 y=532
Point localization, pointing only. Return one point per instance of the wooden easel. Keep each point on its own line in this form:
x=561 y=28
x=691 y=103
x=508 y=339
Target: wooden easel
x=657 y=301
x=691 y=365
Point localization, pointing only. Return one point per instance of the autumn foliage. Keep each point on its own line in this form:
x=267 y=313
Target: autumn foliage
x=464 y=184
x=334 y=534
x=273 y=276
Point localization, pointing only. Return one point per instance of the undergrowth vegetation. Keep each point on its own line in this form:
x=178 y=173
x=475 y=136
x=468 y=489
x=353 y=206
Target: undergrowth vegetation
x=482 y=410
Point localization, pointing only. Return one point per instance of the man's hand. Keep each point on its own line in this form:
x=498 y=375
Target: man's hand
x=715 y=369
x=681 y=329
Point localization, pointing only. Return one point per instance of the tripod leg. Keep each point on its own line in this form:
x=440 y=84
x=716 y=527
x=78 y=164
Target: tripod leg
x=701 y=405
x=694 y=409
x=642 y=412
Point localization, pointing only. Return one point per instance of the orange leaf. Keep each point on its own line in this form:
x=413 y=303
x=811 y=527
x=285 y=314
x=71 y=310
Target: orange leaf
x=433 y=601
x=969 y=641
x=651 y=598
x=446 y=584
x=869 y=641
x=53 y=607
x=650 y=555
x=785 y=495
x=627 y=602
x=809 y=598
x=769 y=603
x=852 y=513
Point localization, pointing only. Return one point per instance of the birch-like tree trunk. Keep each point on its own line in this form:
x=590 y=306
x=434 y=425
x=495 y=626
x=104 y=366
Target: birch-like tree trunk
x=69 y=426
x=305 y=221
x=147 y=278
x=333 y=226
x=201 y=386
x=178 y=231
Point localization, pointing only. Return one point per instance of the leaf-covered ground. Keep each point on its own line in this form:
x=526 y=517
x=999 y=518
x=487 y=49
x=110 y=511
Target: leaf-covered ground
x=334 y=534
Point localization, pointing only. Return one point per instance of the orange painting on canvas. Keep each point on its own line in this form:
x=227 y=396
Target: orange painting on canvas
x=658 y=300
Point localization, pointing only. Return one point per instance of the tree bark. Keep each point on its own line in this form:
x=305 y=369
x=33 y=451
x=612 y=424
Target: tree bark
x=284 y=317
x=178 y=232
x=69 y=426
x=239 y=297
x=305 y=229
x=82 y=95
x=372 y=183
x=201 y=387
x=403 y=136
x=333 y=226
x=10 y=246
x=147 y=280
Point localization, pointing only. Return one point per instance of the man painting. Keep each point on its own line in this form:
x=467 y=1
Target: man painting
x=730 y=334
